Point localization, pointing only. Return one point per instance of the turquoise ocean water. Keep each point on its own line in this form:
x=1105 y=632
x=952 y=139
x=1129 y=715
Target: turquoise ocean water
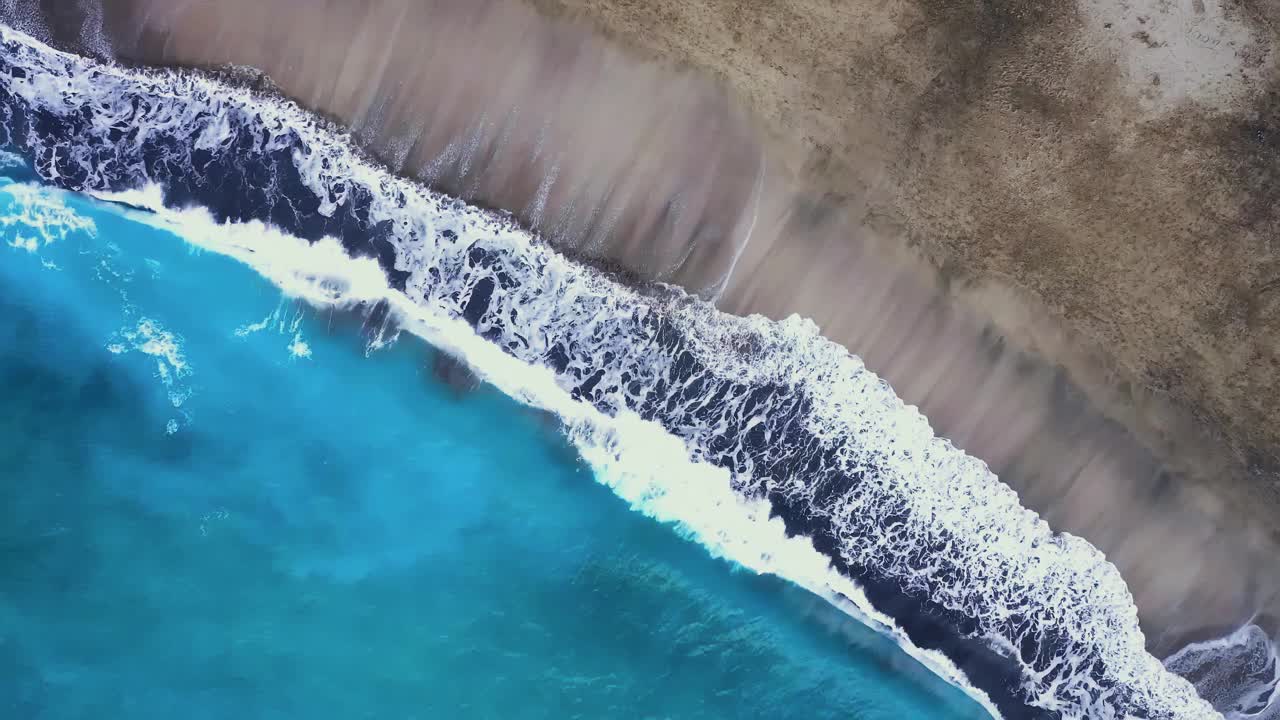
x=219 y=502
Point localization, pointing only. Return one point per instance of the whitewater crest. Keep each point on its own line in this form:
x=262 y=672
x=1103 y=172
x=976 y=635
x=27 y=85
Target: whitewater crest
x=1239 y=674
x=37 y=218
x=787 y=423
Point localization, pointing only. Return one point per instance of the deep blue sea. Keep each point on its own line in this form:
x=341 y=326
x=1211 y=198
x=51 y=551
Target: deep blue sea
x=220 y=502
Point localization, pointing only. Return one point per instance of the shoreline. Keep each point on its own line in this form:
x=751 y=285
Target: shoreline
x=1123 y=653
x=990 y=389
x=940 y=57
x=852 y=159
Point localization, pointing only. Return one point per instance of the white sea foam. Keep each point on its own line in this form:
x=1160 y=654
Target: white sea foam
x=251 y=328
x=37 y=218
x=285 y=319
x=299 y=347
x=1239 y=673
x=921 y=513
x=149 y=337
x=9 y=161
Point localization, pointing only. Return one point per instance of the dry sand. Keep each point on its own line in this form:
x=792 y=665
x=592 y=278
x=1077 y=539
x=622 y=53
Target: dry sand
x=1100 y=180
x=1052 y=226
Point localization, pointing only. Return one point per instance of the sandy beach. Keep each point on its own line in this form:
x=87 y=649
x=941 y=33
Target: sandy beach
x=1054 y=228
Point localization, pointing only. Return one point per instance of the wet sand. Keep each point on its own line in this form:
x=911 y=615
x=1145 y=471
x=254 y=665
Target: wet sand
x=1065 y=263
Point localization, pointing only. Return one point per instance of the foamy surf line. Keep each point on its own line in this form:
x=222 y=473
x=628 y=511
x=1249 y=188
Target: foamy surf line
x=638 y=459
x=714 y=422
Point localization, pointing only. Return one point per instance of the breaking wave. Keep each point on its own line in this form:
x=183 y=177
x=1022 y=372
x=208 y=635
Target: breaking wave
x=1239 y=674
x=768 y=443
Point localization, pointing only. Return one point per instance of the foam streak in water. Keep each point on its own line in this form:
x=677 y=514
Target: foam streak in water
x=37 y=218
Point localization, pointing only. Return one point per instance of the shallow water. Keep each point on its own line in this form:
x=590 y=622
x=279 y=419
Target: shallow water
x=222 y=502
